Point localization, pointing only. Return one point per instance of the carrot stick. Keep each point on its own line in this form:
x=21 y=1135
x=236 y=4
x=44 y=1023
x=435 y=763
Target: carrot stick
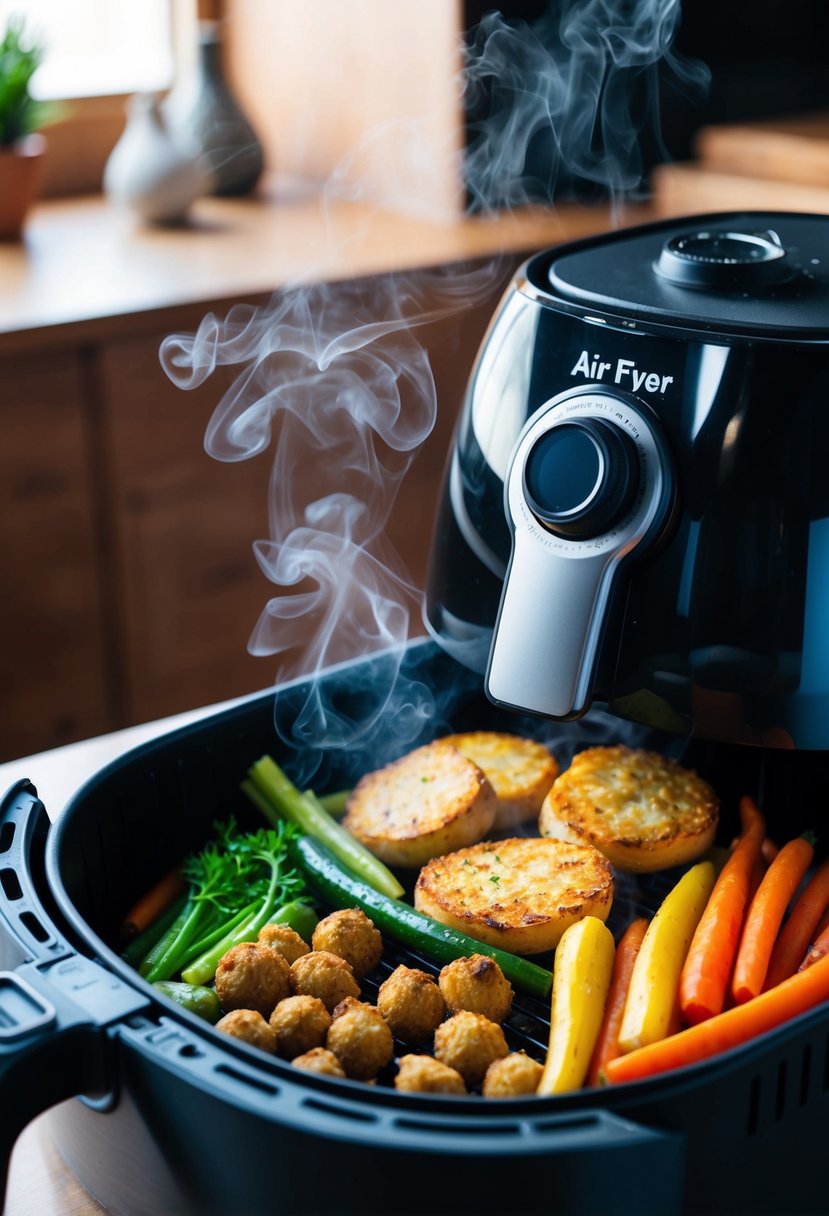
x=816 y=950
x=704 y=978
x=798 y=931
x=765 y=915
x=607 y=1044
x=769 y=850
x=152 y=903
x=794 y=996
x=822 y=924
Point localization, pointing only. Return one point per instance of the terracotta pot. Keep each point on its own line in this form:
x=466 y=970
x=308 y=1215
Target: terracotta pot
x=20 y=172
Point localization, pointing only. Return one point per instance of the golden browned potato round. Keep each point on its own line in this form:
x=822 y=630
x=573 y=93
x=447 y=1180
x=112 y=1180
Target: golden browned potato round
x=360 y=1039
x=424 y=1075
x=284 y=939
x=512 y=1077
x=643 y=811
x=478 y=984
x=249 y=1026
x=469 y=1042
x=520 y=771
x=325 y=975
x=300 y=1023
x=429 y=802
x=411 y=1003
x=250 y=976
x=320 y=1060
x=350 y=934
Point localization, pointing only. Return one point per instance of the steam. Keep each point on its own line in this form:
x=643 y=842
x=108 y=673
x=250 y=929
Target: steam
x=334 y=378
x=582 y=87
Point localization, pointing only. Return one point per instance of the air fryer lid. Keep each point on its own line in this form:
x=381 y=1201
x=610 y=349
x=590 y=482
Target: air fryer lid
x=762 y=273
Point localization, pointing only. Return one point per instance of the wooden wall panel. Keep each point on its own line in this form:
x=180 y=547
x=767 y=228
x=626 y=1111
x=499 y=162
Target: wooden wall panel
x=54 y=685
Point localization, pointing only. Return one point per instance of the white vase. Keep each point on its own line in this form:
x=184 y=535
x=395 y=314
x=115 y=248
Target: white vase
x=148 y=172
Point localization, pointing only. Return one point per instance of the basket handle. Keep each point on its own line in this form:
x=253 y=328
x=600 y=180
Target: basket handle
x=55 y=1004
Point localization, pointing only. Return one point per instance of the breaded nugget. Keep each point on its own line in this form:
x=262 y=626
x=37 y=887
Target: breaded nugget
x=411 y=1003
x=321 y=1060
x=249 y=1026
x=251 y=976
x=350 y=934
x=425 y=1075
x=360 y=1039
x=284 y=939
x=469 y=1042
x=300 y=1024
x=513 y=1076
x=519 y=894
x=427 y=803
x=323 y=975
x=641 y=810
x=478 y=984
x=520 y=771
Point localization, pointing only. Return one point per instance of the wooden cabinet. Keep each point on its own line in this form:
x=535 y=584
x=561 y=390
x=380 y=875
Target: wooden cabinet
x=55 y=683
x=130 y=583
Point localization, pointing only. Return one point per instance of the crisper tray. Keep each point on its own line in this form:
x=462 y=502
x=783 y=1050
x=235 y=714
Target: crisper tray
x=738 y=1134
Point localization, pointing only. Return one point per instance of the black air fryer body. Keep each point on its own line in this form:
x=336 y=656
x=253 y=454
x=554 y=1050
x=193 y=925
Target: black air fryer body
x=637 y=504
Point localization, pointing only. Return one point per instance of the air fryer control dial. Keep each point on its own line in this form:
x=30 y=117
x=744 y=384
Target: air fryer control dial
x=581 y=477
x=587 y=491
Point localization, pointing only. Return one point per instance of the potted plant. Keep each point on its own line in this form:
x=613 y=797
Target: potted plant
x=21 y=145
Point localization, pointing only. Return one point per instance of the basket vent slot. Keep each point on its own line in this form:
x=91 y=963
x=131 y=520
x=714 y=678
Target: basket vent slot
x=459 y=1128
x=6 y=837
x=247 y=1079
x=755 y=1095
x=30 y=921
x=10 y=884
x=780 y=1092
x=340 y=1112
x=805 y=1073
x=826 y=1064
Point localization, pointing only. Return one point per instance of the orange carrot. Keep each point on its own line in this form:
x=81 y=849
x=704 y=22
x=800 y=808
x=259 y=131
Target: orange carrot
x=707 y=969
x=150 y=906
x=799 y=929
x=769 y=850
x=816 y=950
x=607 y=1044
x=765 y=915
x=794 y=996
x=822 y=924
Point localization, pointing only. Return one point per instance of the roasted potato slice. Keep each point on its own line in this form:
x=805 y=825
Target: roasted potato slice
x=429 y=802
x=519 y=894
x=520 y=771
x=643 y=811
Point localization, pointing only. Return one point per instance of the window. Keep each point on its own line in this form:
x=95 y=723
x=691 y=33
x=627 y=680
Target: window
x=98 y=47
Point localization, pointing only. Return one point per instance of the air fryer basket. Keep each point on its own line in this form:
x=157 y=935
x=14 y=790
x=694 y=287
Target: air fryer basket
x=178 y=1118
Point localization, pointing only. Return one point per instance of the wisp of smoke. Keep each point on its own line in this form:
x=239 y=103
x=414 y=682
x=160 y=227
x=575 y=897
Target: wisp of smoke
x=336 y=381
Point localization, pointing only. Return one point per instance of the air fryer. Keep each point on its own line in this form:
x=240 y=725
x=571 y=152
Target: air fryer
x=636 y=506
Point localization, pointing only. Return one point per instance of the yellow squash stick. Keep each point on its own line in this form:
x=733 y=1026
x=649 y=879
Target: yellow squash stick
x=654 y=984
x=581 y=979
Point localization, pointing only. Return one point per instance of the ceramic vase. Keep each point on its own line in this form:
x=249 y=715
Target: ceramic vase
x=148 y=171
x=206 y=115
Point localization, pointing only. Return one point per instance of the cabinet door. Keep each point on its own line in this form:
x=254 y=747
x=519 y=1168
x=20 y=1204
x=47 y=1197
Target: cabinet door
x=186 y=583
x=55 y=678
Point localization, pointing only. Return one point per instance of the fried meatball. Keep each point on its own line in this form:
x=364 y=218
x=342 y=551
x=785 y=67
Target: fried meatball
x=360 y=1039
x=300 y=1023
x=284 y=939
x=325 y=975
x=423 y=1075
x=350 y=934
x=478 y=984
x=469 y=1042
x=249 y=1026
x=251 y=976
x=320 y=1060
x=411 y=1003
x=514 y=1075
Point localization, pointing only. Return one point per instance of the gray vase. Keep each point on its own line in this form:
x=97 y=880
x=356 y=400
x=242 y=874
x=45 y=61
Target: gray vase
x=205 y=112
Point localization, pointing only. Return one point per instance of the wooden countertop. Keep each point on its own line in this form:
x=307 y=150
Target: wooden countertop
x=85 y=269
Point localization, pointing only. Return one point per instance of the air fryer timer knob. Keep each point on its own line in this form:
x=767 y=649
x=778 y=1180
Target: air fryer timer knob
x=587 y=492
x=581 y=477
